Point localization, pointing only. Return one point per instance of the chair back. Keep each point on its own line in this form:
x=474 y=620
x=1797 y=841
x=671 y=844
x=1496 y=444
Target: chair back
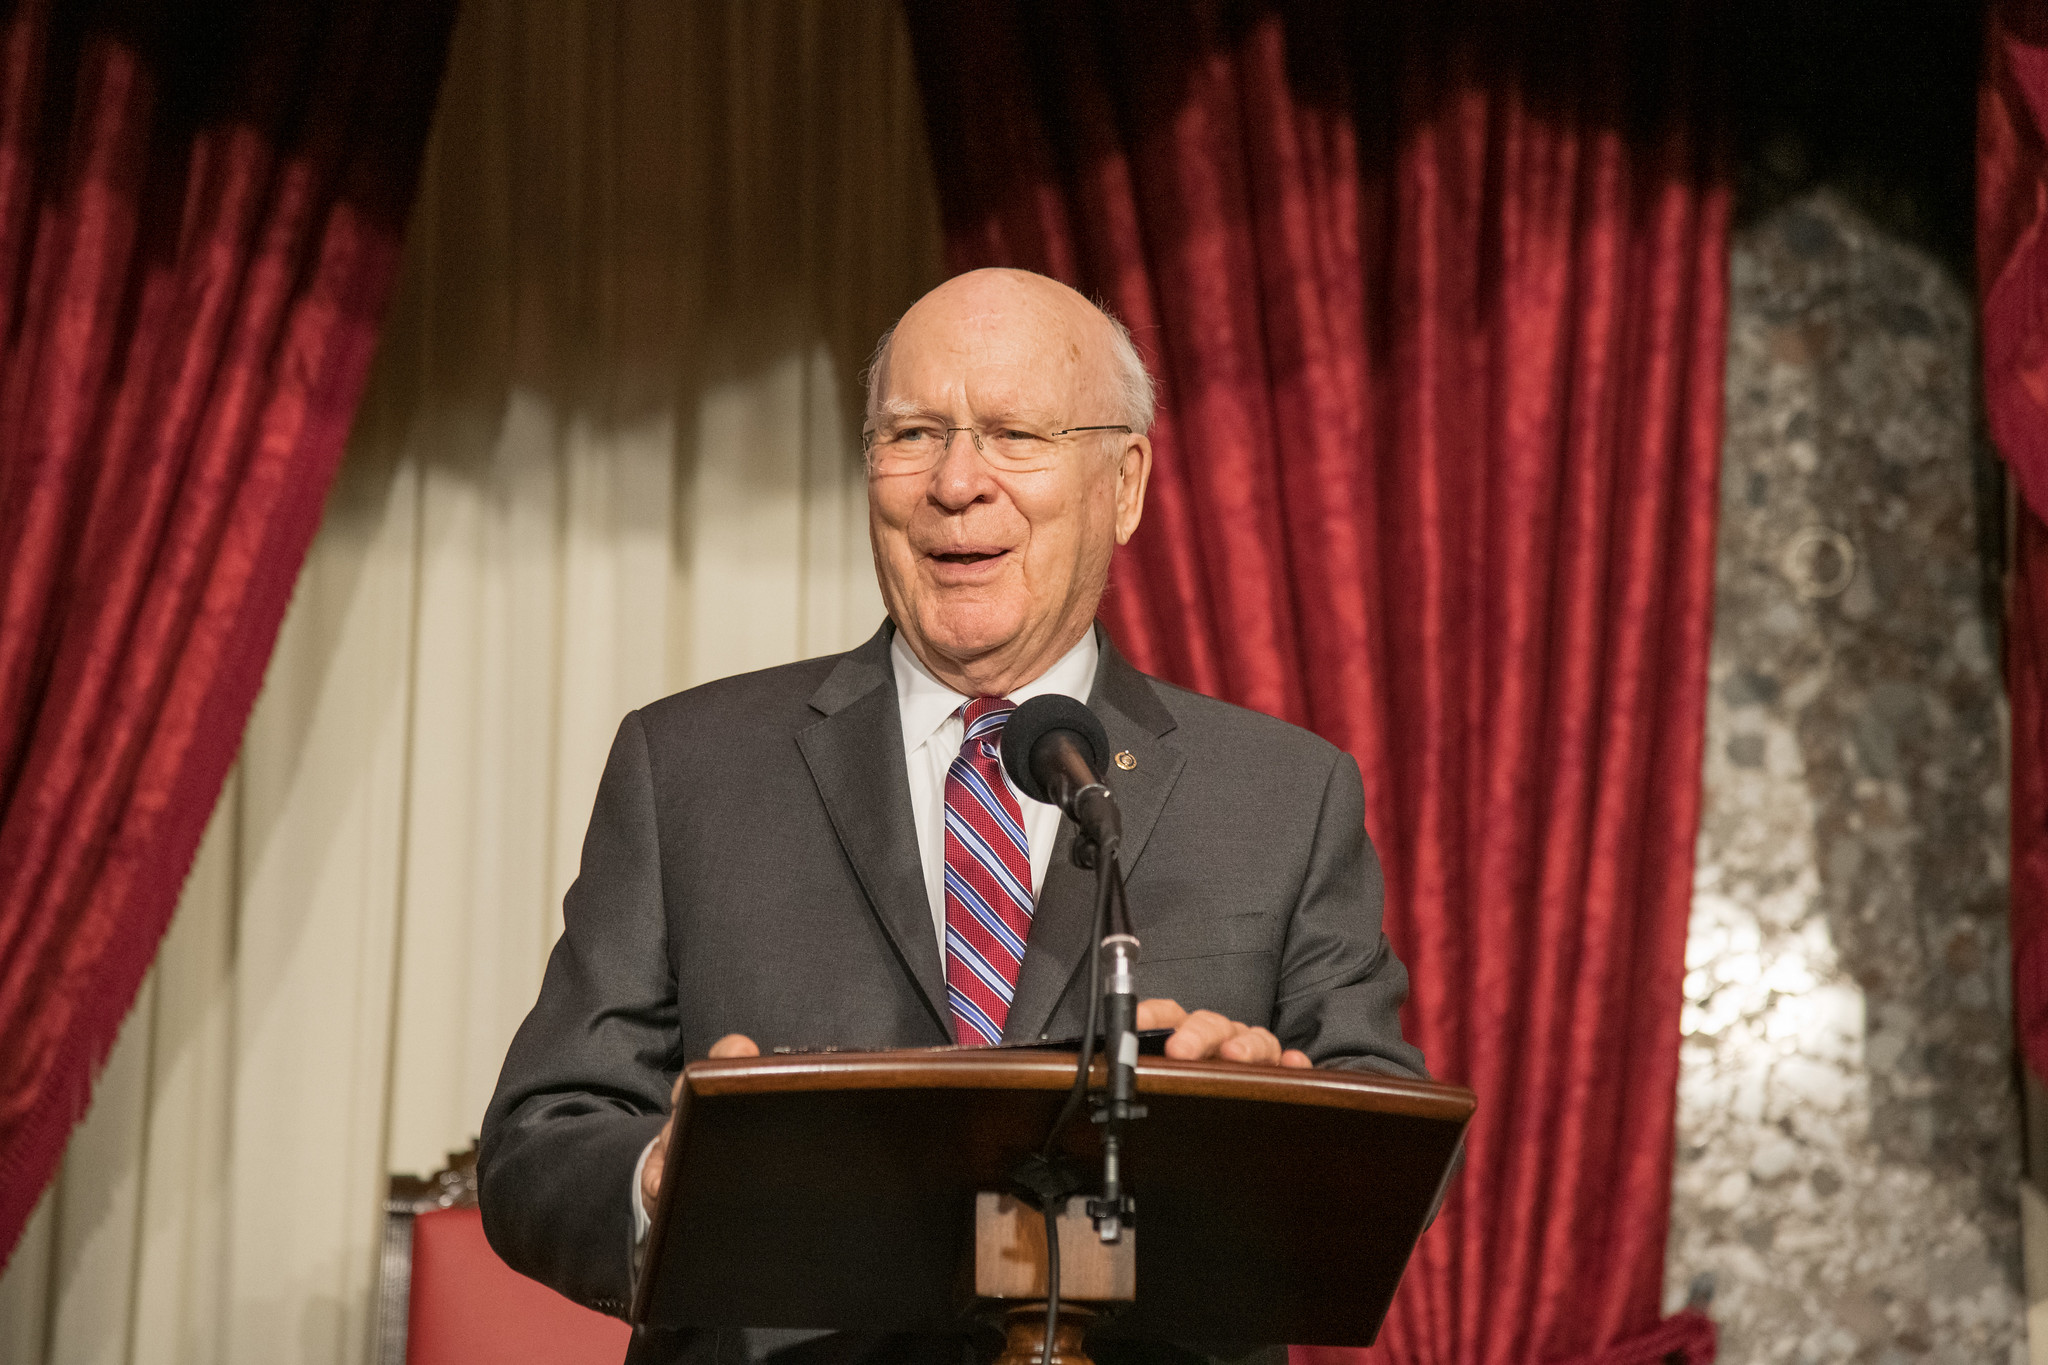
x=445 y=1298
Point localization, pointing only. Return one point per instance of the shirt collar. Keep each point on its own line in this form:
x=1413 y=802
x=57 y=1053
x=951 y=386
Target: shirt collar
x=924 y=703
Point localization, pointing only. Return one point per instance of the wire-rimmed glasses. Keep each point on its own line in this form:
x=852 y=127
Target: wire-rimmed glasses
x=915 y=447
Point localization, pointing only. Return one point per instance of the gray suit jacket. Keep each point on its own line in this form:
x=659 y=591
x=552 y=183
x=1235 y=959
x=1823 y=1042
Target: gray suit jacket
x=752 y=867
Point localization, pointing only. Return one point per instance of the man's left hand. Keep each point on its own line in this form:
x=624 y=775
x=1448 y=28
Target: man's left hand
x=1206 y=1033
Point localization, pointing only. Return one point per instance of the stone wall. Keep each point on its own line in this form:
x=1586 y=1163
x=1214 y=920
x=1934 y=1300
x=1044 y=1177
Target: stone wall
x=1848 y=1137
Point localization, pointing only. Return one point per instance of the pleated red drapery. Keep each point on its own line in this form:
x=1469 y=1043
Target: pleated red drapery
x=201 y=208
x=2012 y=273
x=1437 y=298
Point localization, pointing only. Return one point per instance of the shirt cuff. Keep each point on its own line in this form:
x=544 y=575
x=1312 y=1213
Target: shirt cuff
x=641 y=1222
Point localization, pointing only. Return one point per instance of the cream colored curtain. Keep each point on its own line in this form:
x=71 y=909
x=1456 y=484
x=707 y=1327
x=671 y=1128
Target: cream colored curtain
x=609 y=451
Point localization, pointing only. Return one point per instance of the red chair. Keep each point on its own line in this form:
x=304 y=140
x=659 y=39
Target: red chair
x=444 y=1297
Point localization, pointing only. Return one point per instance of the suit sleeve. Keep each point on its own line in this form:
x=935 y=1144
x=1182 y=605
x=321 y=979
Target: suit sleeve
x=586 y=1081
x=1341 y=987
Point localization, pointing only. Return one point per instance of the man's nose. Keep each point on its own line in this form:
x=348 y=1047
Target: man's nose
x=961 y=477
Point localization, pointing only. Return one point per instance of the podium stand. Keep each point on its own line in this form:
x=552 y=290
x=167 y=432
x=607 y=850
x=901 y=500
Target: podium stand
x=839 y=1190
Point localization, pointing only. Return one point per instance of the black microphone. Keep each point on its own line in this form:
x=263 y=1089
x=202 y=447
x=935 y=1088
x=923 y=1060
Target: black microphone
x=1055 y=749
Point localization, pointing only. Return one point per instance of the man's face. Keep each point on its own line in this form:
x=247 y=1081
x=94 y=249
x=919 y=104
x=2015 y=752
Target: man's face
x=991 y=573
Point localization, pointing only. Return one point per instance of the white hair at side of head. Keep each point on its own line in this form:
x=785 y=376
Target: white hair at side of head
x=871 y=376
x=1133 y=380
x=1134 y=386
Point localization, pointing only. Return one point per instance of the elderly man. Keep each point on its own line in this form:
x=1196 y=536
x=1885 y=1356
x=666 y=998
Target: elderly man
x=781 y=859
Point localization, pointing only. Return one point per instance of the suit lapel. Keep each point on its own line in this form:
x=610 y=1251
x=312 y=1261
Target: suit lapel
x=855 y=755
x=1137 y=723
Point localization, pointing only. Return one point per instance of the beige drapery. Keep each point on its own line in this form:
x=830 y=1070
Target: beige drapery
x=609 y=451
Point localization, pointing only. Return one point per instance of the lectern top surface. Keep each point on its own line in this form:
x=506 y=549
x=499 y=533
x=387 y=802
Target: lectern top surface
x=990 y=1069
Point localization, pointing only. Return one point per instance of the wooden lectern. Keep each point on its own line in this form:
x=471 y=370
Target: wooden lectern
x=862 y=1192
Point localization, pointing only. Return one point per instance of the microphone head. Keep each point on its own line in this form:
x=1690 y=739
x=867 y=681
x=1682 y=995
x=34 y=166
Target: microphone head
x=1037 y=718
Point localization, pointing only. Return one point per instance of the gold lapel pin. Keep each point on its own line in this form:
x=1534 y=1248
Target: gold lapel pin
x=1126 y=760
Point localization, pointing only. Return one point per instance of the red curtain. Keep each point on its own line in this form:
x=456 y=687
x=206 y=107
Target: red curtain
x=2012 y=273
x=201 y=204
x=1436 y=293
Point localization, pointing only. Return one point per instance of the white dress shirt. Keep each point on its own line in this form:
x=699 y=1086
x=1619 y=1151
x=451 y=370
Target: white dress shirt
x=932 y=730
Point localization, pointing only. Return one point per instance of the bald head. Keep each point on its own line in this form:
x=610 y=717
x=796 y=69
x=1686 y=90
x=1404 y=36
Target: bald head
x=1007 y=461
x=1102 y=345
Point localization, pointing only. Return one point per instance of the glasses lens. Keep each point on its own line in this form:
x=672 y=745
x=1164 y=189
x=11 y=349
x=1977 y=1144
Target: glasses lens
x=906 y=449
x=1018 y=450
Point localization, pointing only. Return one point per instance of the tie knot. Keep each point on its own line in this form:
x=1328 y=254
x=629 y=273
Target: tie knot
x=984 y=718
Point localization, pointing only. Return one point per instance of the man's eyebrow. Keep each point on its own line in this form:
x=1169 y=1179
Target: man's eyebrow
x=900 y=408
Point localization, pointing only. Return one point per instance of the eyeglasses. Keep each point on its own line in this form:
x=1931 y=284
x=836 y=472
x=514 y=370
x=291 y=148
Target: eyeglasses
x=916 y=447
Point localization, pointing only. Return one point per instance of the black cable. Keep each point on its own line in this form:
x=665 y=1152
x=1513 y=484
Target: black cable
x=1107 y=884
x=1052 y=1279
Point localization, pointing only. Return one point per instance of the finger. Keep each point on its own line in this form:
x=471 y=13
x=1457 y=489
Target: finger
x=1295 y=1057
x=735 y=1045
x=650 y=1170
x=1200 y=1035
x=675 y=1092
x=1160 y=1014
x=1255 y=1045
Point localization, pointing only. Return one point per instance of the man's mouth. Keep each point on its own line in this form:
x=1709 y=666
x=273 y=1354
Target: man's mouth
x=967 y=556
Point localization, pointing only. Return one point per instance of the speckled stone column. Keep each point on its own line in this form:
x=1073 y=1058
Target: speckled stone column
x=1848 y=1130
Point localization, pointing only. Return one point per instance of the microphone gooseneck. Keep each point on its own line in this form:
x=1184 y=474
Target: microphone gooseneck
x=1120 y=1032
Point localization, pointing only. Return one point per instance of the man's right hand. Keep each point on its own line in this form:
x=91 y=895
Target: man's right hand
x=731 y=1045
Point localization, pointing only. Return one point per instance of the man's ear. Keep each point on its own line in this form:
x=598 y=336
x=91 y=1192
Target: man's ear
x=1133 y=473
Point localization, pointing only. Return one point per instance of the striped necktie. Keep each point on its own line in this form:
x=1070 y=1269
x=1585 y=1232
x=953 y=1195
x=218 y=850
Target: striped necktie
x=988 y=879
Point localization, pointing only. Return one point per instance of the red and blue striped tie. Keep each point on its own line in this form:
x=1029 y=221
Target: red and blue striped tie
x=988 y=879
